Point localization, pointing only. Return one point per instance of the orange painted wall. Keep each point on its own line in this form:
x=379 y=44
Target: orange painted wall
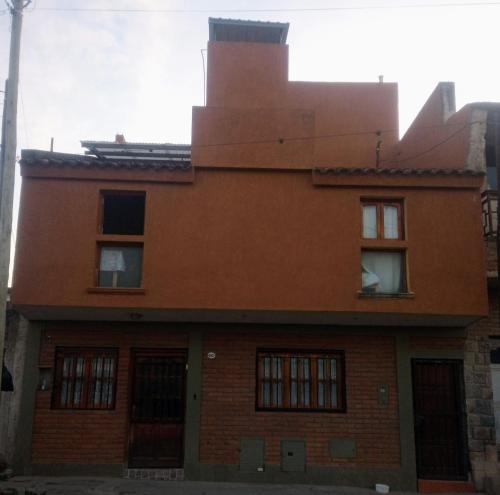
x=238 y=239
x=262 y=239
x=433 y=142
x=251 y=106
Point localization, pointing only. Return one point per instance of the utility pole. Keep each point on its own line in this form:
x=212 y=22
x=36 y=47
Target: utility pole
x=495 y=121
x=8 y=159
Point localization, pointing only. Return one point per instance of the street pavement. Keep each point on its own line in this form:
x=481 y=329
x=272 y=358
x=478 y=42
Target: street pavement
x=35 y=485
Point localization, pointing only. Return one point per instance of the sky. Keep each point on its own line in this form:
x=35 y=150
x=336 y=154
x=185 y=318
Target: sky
x=88 y=75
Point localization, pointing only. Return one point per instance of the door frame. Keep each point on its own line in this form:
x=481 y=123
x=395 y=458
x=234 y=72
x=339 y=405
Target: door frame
x=462 y=436
x=162 y=351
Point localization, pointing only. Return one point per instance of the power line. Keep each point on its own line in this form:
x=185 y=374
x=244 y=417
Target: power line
x=376 y=133
x=270 y=10
x=432 y=148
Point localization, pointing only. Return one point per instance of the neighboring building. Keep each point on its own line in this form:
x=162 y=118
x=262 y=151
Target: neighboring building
x=470 y=138
x=286 y=300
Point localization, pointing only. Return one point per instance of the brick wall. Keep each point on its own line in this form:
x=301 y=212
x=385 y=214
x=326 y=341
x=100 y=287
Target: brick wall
x=228 y=406
x=92 y=437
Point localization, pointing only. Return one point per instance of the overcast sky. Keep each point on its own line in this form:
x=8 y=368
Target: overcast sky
x=90 y=75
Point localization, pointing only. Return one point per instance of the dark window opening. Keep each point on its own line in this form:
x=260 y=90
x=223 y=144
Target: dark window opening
x=495 y=356
x=123 y=213
x=491 y=168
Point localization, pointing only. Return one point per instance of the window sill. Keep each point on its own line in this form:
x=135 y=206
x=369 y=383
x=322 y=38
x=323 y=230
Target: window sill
x=116 y=290
x=375 y=295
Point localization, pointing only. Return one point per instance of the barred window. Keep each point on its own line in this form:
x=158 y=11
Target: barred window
x=85 y=378
x=300 y=380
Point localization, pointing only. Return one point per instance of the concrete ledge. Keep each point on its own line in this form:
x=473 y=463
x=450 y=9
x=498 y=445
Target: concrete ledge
x=445 y=486
x=115 y=470
x=363 y=477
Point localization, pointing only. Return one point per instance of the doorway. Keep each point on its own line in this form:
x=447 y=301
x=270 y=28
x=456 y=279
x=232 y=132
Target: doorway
x=439 y=414
x=156 y=432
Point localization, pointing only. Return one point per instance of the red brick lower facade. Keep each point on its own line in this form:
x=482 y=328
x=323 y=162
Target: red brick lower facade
x=229 y=400
x=224 y=403
x=91 y=437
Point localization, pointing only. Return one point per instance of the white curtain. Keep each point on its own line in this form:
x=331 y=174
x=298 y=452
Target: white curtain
x=369 y=222
x=112 y=260
x=381 y=271
x=390 y=222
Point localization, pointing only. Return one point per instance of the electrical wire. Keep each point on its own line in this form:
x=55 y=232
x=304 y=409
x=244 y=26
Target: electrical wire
x=428 y=150
x=270 y=10
x=375 y=133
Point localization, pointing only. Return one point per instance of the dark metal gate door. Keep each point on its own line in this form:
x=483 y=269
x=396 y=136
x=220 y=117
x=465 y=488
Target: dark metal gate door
x=439 y=419
x=157 y=409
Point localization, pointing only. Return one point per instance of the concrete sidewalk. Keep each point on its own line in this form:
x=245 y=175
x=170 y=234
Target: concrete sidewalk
x=35 y=485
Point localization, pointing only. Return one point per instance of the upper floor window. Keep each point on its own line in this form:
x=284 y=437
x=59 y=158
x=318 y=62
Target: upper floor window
x=120 y=266
x=383 y=271
x=382 y=219
x=84 y=378
x=123 y=212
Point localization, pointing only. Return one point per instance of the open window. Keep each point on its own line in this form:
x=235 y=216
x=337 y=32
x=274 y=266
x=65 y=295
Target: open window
x=122 y=212
x=383 y=272
x=120 y=266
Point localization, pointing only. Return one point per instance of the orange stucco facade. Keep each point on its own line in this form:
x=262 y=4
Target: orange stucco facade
x=251 y=227
x=252 y=240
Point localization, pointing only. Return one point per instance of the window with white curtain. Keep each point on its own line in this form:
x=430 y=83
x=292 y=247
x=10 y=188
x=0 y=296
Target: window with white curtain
x=382 y=219
x=120 y=266
x=382 y=271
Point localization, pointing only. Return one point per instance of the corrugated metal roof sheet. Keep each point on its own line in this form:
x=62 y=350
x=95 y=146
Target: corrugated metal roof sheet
x=240 y=30
x=138 y=151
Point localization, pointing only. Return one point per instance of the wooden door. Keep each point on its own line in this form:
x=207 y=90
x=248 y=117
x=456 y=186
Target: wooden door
x=439 y=419
x=156 y=434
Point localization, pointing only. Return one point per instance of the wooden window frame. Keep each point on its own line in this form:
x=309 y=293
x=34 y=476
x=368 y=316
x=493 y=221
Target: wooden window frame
x=119 y=192
x=313 y=356
x=379 y=205
x=404 y=271
x=97 y=267
x=88 y=354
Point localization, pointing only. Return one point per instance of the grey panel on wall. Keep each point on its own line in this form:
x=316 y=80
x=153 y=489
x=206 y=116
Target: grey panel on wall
x=293 y=455
x=342 y=447
x=252 y=453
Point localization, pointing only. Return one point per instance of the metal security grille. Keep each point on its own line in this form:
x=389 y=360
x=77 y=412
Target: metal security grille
x=156 y=435
x=293 y=380
x=440 y=439
x=159 y=390
x=85 y=378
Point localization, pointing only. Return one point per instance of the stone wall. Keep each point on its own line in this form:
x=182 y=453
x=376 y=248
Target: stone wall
x=8 y=399
x=479 y=396
x=16 y=408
